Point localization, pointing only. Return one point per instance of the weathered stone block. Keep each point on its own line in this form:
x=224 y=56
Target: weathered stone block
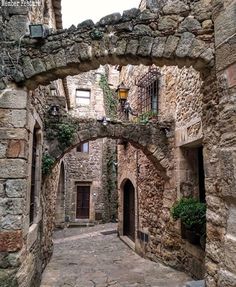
x=130 y=14
x=14 y=99
x=143 y=30
x=145 y=46
x=11 y=241
x=189 y=25
x=198 y=46
x=170 y=46
x=9 y=222
x=121 y=47
x=226 y=53
x=147 y=15
x=132 y=47
x=38 y=66
x=16 y=148
x=158 y=47
x=3 y=149
x=11 y=206
x=85 y=51
x=8 y=278
x=2 y=189
x=167 y=23
x=12 y=118
x=231 y=75
x=226 y=278
x=28 y=68
x=11 y=133
x=185 y=43
x=176 y=7
x=13 y=168
x=110 y=19
x=16 y=187
x=224 y=24
x=230 y=253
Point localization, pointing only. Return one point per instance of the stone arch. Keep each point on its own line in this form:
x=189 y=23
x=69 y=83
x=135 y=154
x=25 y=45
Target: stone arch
x=173 y=34
x=152 y=139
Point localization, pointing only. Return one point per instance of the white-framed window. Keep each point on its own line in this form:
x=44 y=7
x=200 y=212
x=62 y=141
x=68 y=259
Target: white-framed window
x=83 y=147
x=82 y=97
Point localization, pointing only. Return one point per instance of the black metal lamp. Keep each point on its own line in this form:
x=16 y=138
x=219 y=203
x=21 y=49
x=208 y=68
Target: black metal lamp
x=54 y=110
x=104 y=120
x=38 y=31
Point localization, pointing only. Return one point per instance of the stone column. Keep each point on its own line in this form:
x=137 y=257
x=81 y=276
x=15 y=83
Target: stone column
x=13 y=180
x=221 y=166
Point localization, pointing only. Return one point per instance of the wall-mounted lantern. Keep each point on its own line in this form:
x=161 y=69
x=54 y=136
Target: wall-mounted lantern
x=38 y=31
x=104 y=120
x=54 y=110
x=122 y=92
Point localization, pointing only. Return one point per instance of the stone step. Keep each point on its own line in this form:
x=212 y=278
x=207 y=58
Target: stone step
x=199 y=283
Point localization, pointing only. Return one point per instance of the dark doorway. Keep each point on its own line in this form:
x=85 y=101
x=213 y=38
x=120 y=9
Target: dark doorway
x=129 y=210
x=83 y=202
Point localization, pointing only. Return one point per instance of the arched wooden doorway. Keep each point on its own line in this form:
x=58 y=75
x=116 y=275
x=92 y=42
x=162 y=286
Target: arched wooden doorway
x=129 y=210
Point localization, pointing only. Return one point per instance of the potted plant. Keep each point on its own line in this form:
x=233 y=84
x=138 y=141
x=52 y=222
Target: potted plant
x=192 y=214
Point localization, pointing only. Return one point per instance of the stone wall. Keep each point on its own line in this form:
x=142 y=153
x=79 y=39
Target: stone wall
x=179 y=99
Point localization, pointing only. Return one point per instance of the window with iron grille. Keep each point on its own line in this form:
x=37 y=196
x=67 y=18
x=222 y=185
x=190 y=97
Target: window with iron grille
x=148 y=89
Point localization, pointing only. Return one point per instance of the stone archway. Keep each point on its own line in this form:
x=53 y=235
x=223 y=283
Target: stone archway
x=174 y=34
x=152 y=139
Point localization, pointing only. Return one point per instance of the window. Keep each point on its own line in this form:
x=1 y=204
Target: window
x=148 y=91
x=82 y=97
x=83 y=147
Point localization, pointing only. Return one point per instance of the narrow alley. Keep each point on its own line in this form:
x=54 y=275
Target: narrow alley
x=95 y=256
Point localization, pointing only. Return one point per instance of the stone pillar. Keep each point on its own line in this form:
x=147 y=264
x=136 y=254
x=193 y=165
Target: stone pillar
x=221 y=153
x=13 y=180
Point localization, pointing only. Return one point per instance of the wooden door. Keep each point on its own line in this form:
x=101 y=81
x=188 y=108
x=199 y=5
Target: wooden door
x=83 y=202
x=129 y=210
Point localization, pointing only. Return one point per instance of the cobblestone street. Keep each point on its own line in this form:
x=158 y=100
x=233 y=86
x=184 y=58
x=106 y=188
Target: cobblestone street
x=84 y=257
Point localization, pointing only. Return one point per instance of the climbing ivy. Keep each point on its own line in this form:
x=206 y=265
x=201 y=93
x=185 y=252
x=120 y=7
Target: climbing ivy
x=47 y=163
x=64 y=131
x=65 y=135
x=110 y=98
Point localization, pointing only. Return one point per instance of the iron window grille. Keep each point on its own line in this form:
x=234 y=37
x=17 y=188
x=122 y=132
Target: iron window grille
x=148 y=89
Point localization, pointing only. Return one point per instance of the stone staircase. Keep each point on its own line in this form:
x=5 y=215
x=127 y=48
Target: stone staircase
x=199 y=283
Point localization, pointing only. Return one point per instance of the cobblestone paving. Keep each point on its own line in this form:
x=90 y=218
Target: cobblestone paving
x=83 y=257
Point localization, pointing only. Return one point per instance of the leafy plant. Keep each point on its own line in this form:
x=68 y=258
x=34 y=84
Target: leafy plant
x=145 y=117
x=47 y=163
x=110 y=98
x=191 y=212
x=65 y=135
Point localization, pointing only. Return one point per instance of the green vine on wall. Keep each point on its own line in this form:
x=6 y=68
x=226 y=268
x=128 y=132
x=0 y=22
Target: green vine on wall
x=65 y=135
x=110 y=98
x=64 y=131
x=47 y=163
x=144 y=118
